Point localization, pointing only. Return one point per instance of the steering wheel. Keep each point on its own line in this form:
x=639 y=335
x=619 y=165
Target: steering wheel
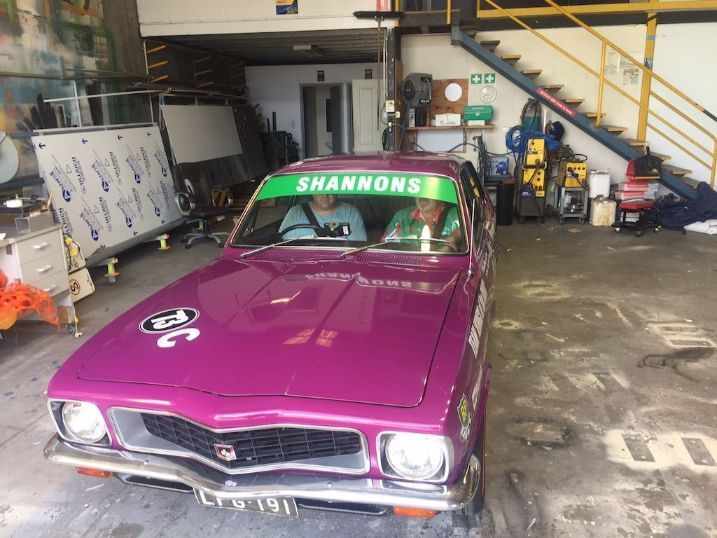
x=320 y=232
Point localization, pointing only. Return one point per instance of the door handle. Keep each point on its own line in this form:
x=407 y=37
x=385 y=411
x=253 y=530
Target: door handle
x=40 y=246
x=45 y=269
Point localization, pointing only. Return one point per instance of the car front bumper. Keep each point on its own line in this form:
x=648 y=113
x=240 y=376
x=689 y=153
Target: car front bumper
x=265 y=485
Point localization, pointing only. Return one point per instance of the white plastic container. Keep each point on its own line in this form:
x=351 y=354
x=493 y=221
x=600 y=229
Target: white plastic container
x=602 y=211
x=599 y=183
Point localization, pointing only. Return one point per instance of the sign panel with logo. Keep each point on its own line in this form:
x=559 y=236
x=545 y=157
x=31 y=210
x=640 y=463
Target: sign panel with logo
x=379 y=183
x=287 y=7
x=108 y=187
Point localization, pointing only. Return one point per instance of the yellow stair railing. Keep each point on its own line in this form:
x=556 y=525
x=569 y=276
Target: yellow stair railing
x=707 y=156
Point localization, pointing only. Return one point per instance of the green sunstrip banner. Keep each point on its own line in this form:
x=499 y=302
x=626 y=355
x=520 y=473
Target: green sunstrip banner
x=385 y=183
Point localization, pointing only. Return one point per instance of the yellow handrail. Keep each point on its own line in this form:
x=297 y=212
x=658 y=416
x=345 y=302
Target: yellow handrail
x=678 y=111
x=683 y=148
x=603 y=81
x=595 y=73
x=601 y=8
x=661 y=80
x=626 y=55
x=602 y=84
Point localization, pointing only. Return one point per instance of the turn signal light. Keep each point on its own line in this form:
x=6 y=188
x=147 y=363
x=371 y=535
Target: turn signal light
x=94 y=472
x=413 y=512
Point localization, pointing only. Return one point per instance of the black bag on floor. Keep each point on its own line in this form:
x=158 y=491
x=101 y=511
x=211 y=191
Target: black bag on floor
x=675 y=214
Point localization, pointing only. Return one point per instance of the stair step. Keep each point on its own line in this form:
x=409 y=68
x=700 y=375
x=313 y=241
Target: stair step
x=574 y=101
x=692 y=182
x=677 y=171
x=614 y=129
x=661 y=156
x=634 y=143
x=511 y=58
x=553 y=88
x=593 y=115
x=532 y=73
x=491 y=45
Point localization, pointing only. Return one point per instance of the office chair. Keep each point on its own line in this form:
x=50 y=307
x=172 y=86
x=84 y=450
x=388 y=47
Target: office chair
x=194 y=186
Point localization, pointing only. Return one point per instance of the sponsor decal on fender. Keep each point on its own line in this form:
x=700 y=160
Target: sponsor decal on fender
x=464 y=415
x=477 y=387
x=477 y=324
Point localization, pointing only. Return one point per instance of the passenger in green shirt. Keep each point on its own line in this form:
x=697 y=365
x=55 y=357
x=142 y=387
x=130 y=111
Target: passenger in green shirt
x=410 y=221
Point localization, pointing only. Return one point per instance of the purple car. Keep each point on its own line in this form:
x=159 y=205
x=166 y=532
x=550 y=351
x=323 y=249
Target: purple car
x=334 y=356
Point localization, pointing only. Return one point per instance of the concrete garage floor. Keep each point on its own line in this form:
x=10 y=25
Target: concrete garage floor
x=602 y=416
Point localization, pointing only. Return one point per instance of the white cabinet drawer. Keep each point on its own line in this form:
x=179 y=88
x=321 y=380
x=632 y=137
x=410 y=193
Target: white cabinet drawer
x=53 y=284
x=39 y=246
x=41 y=267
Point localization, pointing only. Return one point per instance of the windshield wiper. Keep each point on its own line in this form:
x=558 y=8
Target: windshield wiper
x=284 y=242
x=374 y=245
x=396 y=240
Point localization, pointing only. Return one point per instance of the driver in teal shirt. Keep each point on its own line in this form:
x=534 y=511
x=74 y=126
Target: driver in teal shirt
x=328 y=210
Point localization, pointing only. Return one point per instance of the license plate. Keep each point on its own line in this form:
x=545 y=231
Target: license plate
x=280 y=506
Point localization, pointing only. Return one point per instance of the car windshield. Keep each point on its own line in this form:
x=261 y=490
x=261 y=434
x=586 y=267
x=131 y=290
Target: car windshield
x=382 y=210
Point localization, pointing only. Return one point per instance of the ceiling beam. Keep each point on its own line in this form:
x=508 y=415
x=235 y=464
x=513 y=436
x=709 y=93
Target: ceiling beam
x=655 y=6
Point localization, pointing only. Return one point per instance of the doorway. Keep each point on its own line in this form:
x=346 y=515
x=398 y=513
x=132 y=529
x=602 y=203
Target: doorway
x=326 y=119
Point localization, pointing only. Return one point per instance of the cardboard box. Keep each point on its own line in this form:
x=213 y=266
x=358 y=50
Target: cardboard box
x=448 y=120
x=81 y=285
x=33 y=223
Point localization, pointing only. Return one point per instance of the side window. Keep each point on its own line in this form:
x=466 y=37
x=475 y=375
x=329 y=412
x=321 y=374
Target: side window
x=475 y=182
x=473 y=190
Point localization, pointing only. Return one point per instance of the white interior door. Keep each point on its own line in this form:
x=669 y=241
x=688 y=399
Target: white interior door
x=367 y=127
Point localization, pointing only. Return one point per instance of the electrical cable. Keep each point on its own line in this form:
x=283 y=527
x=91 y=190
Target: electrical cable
x=484 y=164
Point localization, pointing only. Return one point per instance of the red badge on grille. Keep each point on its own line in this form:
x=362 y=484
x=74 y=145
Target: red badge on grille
x=225 y=452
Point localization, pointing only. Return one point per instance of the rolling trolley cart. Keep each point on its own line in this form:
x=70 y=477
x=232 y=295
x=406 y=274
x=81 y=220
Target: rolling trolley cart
x=573 y=204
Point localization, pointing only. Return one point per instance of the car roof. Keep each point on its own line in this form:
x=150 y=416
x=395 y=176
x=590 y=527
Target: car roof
x=424 y=163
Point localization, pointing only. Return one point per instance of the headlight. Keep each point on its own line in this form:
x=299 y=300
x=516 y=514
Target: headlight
x=416 y=457
x=83 y=422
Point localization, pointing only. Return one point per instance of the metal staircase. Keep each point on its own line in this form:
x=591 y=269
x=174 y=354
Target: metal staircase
x=675 y=178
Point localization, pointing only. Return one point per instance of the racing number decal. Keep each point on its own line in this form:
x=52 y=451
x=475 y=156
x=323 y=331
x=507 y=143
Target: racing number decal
x=171 y=320
x=168 y=320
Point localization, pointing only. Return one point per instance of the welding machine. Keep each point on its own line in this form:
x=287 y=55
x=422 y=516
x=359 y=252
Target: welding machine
x=572 y=178
x=534 y=170
x=576 y=175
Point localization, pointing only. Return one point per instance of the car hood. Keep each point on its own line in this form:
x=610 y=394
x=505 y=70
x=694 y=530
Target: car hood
x=339 y=330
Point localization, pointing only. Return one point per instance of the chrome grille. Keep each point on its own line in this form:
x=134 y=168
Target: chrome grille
x=257 y=447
